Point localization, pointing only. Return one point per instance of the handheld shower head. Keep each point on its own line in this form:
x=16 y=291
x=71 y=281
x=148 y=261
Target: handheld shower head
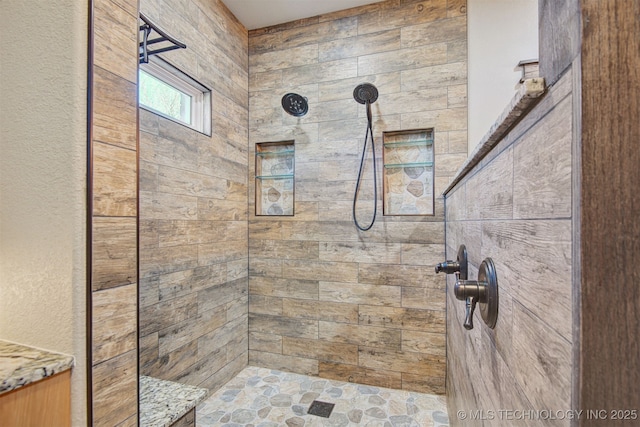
x=365 y=93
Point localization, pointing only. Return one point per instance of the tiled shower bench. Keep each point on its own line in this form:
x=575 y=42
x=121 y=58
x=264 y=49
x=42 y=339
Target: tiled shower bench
x=167 y=403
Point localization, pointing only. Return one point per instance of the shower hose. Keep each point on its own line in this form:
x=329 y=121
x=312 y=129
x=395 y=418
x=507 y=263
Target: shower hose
x=368 y=135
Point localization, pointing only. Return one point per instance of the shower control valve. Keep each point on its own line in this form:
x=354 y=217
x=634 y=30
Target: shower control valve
x=483 y=291
x=459 y=267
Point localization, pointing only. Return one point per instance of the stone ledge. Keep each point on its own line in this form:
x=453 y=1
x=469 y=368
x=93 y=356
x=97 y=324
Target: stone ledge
x=162 y=403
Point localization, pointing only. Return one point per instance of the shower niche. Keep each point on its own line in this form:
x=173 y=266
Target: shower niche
x=275 y=170
x=408 y=162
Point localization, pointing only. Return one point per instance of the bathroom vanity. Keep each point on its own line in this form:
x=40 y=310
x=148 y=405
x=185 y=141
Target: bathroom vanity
x=35 y=386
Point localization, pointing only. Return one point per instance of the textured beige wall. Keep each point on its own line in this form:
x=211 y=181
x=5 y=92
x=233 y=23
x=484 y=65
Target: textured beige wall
x=501 y=34
x=193 y=209
x=326 y=299
x=516 y=208
x=42 y=180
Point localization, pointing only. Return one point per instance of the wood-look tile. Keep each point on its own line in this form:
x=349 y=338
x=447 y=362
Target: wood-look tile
x=212 y=253
x=284 y=287
x=442 y=30
x=114 y=181
x=372 y=253
x=424 y=298
x=410 y=362
x=321 y=72
x=167 y=206
x=352 y=293
x=114 y=322
x=424 y=342
x=544 y=361
x=361 y=335
x=457 y=97
x=283 y=249
x=114 y=110
x=219 y=295
x=320 y=310
x=403 y=318
x=320 y=350
x=166 y=313
x=227 y=373
x=360 y=375
x=316 y=270
x=115 y=389
x=177 y=181
x=261 y=304
x=265 y=342
x=114 y=252
x=542 y=178
x=234 y=331
x=343 y=89
x=168 y=260
x=490 y=191
x=298 y=365
x=318 y=33
x=294 y=57
x=533 y=260
x=285 y=326
x=182 y=333
x=405 y=14
x=424 y=383
x=115 y=41
x=404 y=59
x=265 y=267
x=361 y=45
x=172 y=364
x=421 y=254
x=395 y=275
x=442 y=120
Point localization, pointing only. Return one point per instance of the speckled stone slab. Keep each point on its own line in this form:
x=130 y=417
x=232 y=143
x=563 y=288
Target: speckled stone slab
x=21 y=365
x=162 y=403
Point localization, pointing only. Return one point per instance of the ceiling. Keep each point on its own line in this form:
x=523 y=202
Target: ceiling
x=264 y=13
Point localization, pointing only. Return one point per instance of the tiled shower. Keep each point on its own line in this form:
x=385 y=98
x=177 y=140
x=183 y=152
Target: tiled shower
x=318 y=297
x=221 y=287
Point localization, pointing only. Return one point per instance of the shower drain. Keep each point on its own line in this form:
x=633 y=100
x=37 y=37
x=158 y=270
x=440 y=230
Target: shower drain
x=321 y=409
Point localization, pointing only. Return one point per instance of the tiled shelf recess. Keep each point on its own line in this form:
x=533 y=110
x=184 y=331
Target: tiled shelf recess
x=275 y=165
x=162 y=403
x=408 y=172
x=21 y=365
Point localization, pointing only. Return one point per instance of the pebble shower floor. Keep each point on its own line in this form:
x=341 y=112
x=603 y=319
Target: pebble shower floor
x=259 y=397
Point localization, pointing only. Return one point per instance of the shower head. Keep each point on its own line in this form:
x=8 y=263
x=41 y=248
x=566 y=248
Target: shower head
x=365 y=93
x=295 y=104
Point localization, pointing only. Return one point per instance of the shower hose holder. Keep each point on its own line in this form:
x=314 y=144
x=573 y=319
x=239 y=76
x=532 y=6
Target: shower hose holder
x=483 y=291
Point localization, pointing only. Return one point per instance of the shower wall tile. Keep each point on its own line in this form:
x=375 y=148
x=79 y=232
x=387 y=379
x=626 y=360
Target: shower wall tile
x=113 y=175
x=361 y=375
x=320 y=350
x=115 y=389
x=352 y=293
x=114 y=252
x=193 y=208
x=361 y=290
x=515 y=207
x=114 y=107
x=283 y=362
x=265 y=342
x=327 y=310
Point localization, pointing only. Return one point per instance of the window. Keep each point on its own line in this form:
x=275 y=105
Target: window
x=169 y=92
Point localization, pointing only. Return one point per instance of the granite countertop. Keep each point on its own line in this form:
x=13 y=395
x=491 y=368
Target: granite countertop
x=164 y=402
x=21 y=365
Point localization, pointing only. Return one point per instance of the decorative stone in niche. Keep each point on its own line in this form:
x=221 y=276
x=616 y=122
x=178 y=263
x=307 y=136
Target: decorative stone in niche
x=274 y=172
x=408 y=158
